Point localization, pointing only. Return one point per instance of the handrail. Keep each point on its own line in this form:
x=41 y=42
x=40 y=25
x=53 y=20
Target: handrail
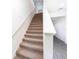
x=48 y=26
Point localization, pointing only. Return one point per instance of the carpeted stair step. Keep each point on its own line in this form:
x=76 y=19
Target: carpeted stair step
x=27 y=53
x=34 y=35
x=35 y=28
x=34 y=31
x=35 y=25
x=32 y=40
x=20 y=57
x=38 y=48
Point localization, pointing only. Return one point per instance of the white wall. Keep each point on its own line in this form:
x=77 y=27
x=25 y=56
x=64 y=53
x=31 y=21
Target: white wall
x=21 y=10
x=60 y=27
x=56 y=7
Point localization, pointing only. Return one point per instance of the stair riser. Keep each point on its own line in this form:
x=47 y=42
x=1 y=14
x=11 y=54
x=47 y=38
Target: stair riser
x=34 y=32
x=36 y=23
x=34 y=36
x=35 y=28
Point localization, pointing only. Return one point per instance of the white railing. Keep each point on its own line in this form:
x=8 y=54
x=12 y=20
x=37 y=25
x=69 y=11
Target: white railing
x=48 y=32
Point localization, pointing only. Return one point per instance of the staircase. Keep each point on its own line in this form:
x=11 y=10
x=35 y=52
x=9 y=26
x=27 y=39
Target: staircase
x=32 y=45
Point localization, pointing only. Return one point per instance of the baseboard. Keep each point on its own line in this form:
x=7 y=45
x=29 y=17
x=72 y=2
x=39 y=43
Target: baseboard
x=17 y=38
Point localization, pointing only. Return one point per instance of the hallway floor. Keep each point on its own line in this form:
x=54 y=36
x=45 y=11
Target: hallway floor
x=60 y=49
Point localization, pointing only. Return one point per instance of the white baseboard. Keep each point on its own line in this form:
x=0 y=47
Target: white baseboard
x=17 y=38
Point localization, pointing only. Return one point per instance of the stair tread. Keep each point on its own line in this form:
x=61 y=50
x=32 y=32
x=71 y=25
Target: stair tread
x=34 y=34
x=34 y=40
x=32 y=46
x=29 y=54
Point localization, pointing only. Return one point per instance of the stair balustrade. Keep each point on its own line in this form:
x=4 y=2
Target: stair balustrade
x=48 y=33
